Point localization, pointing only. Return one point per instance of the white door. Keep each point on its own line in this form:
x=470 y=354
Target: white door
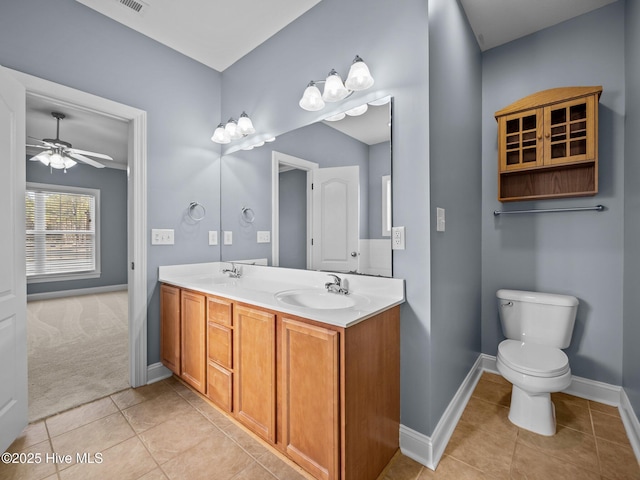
x=13 y=303
x=336 y=219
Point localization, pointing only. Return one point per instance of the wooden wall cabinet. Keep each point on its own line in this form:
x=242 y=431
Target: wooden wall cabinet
x=548 y=145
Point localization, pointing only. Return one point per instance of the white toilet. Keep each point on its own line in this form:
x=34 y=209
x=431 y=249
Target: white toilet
x=537 y=325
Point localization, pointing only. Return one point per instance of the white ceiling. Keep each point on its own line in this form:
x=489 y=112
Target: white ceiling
x=219 y=32
x=496 y=22
x=213 y=32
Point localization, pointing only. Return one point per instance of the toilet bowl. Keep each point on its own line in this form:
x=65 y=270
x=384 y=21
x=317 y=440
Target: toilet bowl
x=537 y=325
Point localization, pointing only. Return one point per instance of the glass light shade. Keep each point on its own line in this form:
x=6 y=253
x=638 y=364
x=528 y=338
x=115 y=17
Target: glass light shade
x=259 y=144
x=359 y=77
x=220 y=135
x=232 y=129
x=269 y=140
x=44 y=157
x=56 y=161
x=334 y=89
x=311 y=98
x=250 y=147
x=245 y=126
x=354 y=112
x=335 y=118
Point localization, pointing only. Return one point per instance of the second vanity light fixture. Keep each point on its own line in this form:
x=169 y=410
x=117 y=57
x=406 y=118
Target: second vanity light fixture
x=359 y=78
x=233 y=130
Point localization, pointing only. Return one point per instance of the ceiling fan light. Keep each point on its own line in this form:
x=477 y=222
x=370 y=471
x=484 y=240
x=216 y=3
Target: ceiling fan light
x=334 y=89
x=311 y=98
x=359 y=77
x=359 y=110
x=56 y=161
x=245 y=125
x=220 y=135
x=43 y=157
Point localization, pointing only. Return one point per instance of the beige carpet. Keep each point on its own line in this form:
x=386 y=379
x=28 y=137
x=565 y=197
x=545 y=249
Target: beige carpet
x=78 y=351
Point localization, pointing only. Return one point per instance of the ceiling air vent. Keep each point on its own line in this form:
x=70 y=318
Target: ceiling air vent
x=134 y=5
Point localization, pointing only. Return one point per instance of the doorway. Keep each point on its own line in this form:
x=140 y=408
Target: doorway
x=136 y=205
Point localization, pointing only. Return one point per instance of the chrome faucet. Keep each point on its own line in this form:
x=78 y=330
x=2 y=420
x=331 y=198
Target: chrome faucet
x=336 y=285
x=233 y=272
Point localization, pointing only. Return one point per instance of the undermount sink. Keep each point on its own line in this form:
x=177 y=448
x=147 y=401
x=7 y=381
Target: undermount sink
x=320 y=299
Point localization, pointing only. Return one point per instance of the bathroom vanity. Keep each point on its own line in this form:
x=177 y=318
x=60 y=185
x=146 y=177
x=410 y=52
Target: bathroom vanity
x=316 y=374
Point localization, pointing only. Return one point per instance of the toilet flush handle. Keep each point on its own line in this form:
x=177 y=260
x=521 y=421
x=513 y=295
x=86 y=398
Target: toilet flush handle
x=508 y=304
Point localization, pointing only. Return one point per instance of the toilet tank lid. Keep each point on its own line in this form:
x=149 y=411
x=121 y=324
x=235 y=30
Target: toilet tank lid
x=537 y=297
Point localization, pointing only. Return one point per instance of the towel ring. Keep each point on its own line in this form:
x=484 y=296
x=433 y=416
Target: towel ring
x=192 y=208
x=248 y=215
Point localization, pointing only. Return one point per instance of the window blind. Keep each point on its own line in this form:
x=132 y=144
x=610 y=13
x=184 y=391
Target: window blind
x=61 y=232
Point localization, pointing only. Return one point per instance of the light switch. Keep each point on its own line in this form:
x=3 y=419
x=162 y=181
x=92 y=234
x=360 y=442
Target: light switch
x=162 y=236
x=213 y=237
x=228 y=237
x=264 y=236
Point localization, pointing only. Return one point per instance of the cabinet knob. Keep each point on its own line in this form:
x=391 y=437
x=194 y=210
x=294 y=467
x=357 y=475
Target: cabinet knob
x=540 y=137
x=547 y=135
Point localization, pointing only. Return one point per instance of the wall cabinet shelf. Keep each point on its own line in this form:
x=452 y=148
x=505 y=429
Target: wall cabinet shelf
x=327 y=397
x=548 y=145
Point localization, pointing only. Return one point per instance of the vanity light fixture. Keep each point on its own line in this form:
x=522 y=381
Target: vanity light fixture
x=359 y=78
x=233 y=130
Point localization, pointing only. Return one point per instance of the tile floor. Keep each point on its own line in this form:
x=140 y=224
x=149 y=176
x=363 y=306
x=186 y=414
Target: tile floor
x=167 y=431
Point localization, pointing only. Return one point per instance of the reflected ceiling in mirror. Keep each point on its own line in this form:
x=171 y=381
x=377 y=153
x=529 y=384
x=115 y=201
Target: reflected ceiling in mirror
x=319 y=197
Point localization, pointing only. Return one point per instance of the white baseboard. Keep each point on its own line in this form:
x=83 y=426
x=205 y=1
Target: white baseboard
x=157 y=372
x=75 y=292
x=428 y=450
x=631 y=423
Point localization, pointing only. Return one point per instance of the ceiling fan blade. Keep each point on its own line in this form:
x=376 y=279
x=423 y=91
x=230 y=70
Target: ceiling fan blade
x=92 y=154
x=37 y=146
x=86 y=160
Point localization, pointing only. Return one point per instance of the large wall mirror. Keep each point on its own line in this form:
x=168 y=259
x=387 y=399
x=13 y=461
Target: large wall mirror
x=318 y=197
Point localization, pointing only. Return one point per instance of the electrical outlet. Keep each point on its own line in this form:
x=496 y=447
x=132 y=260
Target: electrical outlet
x=439 y=219
x=264 y=236
x=228 y=237
x=162 y=236
x=397 y=238
x=213 y=237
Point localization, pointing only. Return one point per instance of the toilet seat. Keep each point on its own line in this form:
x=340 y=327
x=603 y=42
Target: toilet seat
x=531 y=359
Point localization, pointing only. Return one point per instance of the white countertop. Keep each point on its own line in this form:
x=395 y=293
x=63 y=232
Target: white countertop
x=259 y=285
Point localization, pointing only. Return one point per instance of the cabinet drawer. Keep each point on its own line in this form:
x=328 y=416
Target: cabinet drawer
x=220 y=344
x=220 y=385
x=219 y=311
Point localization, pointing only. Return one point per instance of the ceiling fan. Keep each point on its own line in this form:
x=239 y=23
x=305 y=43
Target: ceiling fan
x=58 y=154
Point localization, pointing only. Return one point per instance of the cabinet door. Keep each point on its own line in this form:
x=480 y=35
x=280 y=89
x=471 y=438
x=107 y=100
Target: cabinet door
x=220 y=383
x=170 y=327
x=254 y=361
x=193 y=365
x=310 y=401
x=520 y=142
x=570 y=131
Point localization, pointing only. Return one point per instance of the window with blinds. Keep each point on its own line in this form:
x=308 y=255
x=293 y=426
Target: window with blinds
x=62 y=232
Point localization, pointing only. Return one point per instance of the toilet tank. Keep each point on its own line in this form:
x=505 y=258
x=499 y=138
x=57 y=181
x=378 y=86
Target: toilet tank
x=540 y=318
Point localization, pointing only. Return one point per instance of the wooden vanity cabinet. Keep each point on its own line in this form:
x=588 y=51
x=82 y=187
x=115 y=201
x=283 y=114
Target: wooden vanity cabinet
x=170 y=327
x=220 y=352
x=193 y=340
x=548 y=145
x=254 y=358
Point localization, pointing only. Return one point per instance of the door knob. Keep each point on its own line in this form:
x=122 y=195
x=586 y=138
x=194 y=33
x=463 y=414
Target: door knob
x=354 y=254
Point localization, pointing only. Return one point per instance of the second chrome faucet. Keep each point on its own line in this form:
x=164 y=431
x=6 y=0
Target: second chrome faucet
x=336 y=286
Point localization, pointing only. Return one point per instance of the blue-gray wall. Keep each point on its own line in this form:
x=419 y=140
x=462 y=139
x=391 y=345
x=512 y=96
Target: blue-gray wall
x=379 y=166
x=90 y=52
x=573 y=253
x=112 y=184
x=293 y=219
x=631 y=309
x=455 y=164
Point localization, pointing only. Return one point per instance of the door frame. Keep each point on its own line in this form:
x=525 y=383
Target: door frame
x=277 y=159
x=136 y=204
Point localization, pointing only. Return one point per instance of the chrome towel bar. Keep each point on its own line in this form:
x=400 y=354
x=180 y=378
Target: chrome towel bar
x=598 y=208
